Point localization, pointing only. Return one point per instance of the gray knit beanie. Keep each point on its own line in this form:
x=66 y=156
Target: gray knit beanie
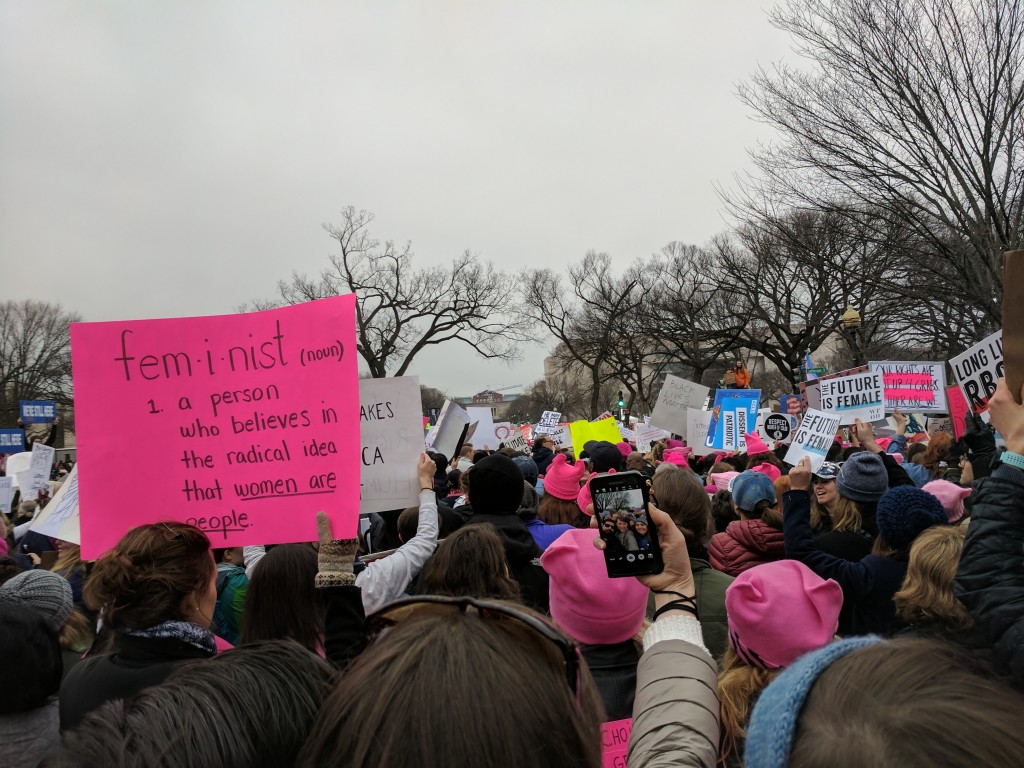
x=863 y=477
x=44 y=592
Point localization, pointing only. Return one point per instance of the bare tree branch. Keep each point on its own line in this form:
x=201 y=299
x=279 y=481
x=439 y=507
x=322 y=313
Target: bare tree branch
x=403 y=310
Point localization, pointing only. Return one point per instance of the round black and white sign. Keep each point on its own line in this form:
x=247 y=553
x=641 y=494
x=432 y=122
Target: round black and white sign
x=777 y=426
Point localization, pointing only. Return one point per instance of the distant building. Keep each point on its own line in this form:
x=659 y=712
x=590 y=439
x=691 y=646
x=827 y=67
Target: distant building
x=502 y=405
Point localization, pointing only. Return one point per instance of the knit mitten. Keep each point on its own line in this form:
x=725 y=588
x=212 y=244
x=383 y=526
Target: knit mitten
x=334 y=563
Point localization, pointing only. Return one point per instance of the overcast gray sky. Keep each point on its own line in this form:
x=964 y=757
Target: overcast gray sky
x=163 y=159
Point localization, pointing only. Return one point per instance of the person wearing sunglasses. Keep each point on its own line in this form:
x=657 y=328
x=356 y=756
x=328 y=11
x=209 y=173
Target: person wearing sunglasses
x=473 y=682
x=468 y=682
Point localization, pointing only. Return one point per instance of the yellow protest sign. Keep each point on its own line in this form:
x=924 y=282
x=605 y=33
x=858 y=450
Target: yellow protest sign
x=584 y=431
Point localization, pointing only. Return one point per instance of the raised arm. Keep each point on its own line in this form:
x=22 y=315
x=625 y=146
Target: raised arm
x=386 y=579
x=990 y=577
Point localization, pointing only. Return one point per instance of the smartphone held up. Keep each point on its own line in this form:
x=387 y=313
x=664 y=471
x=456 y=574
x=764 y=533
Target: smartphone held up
x=630 y=540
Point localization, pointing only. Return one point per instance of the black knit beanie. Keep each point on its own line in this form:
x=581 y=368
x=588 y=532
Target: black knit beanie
x=495 y=485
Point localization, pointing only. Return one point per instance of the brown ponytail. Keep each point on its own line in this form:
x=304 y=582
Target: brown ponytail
x=143 y=580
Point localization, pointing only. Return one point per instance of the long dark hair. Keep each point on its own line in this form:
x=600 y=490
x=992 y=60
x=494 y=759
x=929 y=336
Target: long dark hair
x=469 y=562
x=378 y=714
x=282 y=602
x=680 y=494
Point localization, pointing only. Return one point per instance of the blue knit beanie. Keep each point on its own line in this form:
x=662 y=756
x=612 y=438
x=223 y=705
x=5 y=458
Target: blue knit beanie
x=904 y=512
x=773 y=722
x=862 y=477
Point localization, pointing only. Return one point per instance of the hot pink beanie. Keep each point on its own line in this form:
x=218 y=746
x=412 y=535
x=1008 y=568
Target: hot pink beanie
x=950 y=495
x=584 y=497
x=592 y=608
x=779 y=611
x=755 y=444
x=765 y=468
x=670 y=443
x=562 y=480
x=883 y=442
x=676 y=456
x=624 y=448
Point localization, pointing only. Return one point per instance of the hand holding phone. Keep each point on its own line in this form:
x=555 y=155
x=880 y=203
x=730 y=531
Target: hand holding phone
x=631 y=546
x=677 y=575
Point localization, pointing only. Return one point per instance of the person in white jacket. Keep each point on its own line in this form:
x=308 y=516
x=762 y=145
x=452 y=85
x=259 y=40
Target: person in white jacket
x=385 y=579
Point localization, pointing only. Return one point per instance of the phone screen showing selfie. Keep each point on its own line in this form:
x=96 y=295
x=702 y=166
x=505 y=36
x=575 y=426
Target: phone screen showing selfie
x=630 y=541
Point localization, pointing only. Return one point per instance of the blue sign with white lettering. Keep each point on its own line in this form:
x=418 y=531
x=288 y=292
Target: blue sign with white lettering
x=38 y=411
x=12 y=440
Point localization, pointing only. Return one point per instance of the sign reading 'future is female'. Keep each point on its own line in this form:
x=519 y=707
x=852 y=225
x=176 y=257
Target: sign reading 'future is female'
x=243 y=425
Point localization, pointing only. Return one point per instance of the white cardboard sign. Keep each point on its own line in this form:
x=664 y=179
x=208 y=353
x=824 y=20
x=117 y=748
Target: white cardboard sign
x=6 y=492
x=813 y=438
x=452 y=424
x=978 y=369
x=38 y=471
x=677 y=395
x=518 y=443
x=562 y=437
x=861 y=396
x=60 y=519
x=483 y=435
x=698 y=422
x=390 y=426
x=913 y=386
x=646 y=436
x=548 y=422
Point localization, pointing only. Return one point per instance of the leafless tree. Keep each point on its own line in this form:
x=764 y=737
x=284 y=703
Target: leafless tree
x=567 y=395
x=432 y=398
x=401 y=309
x=789 y=278
x=35 y=355
x=588 y=318
x=914 y=106
x=687 y=312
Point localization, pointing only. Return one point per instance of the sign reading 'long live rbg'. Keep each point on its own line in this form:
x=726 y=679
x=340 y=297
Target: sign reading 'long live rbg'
x=243 y=425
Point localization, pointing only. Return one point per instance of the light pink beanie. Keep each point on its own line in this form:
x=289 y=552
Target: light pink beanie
x=591 y=607
x=722 y=480
x=779 y=611
x=950 y=495
x=767 y=468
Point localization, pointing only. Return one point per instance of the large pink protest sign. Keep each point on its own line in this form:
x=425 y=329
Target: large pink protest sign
x=243 y=425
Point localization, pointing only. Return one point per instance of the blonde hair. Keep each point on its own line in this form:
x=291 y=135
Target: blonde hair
x=739 y=685
x=927 y=592
x=846 y=515
x=70 y=557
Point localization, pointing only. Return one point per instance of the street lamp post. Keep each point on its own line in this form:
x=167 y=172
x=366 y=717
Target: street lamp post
x=851 y=321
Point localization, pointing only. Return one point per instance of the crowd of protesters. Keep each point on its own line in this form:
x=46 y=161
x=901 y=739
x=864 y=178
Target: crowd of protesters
x=870 y=612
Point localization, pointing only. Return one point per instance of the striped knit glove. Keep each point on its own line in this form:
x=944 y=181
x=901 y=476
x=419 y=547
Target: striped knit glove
x=334 y=563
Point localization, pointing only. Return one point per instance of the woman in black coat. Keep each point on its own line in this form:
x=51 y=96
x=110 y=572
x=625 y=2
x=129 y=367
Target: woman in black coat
x=157 y=591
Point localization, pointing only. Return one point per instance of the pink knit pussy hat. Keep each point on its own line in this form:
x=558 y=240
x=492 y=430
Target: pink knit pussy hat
x=950 y=495
x=755 y=444
x=779 y=611
x=562 y=480
x=591 y=607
